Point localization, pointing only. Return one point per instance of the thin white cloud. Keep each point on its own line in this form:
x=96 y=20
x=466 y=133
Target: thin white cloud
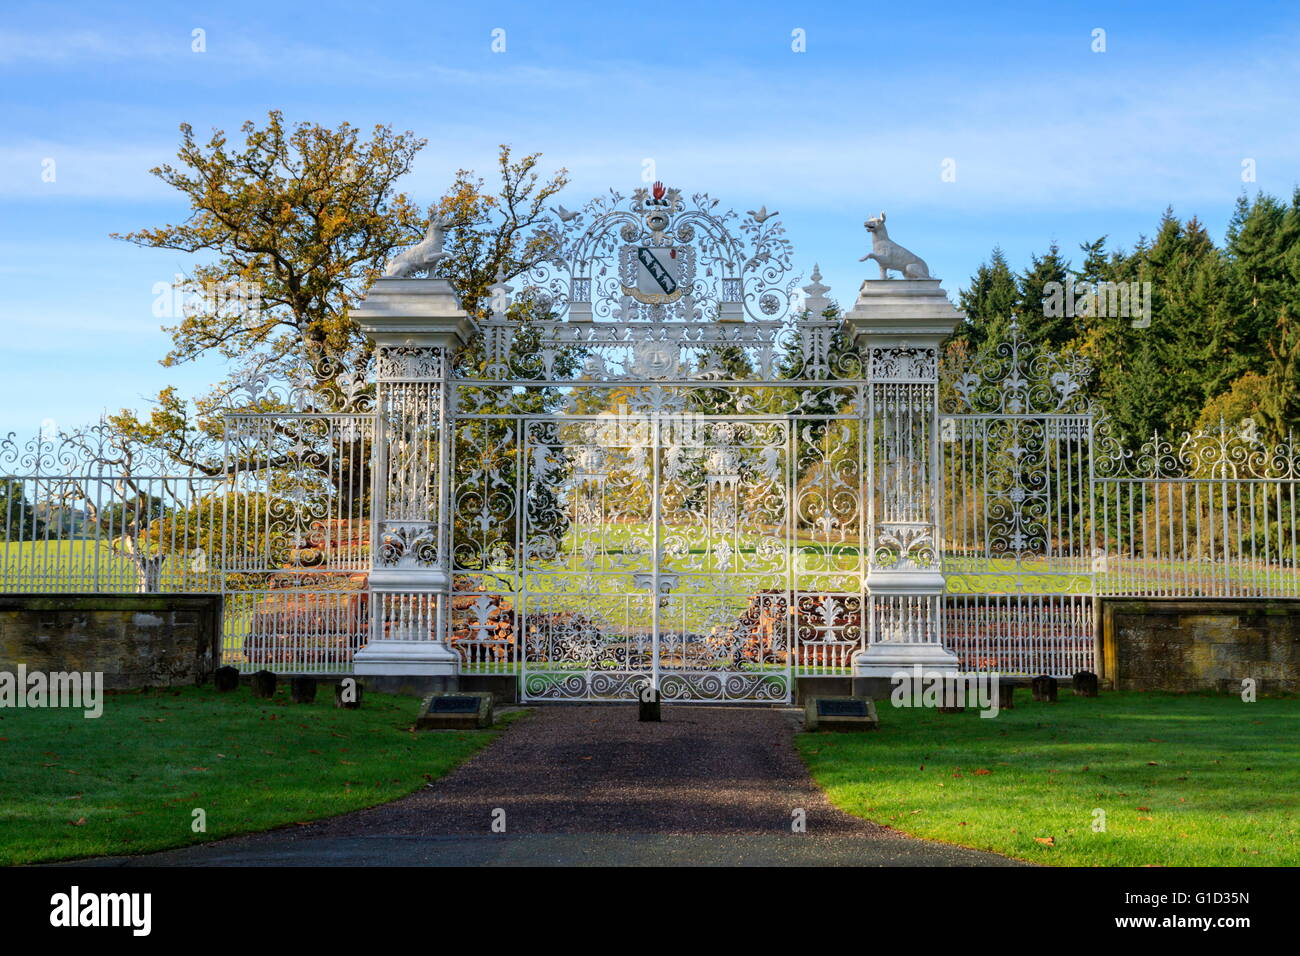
x=1110 y=136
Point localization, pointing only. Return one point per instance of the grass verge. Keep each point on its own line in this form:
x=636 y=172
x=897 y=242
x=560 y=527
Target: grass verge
x=130 y=781
x=1182 y=780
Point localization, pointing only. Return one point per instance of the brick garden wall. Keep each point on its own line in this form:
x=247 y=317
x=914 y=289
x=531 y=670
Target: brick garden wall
x=1206 y=644
x=136 y=640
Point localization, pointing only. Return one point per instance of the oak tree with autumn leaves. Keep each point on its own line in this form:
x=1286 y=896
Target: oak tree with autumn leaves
x=308 y=216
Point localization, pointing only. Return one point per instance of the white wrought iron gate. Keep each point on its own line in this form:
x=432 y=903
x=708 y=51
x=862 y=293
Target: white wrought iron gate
x=693 y=511
x=295 y=539
x=1017 y=439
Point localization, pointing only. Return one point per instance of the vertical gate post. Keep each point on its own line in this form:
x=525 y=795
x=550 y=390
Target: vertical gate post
x=417 y=326
x=898 y=325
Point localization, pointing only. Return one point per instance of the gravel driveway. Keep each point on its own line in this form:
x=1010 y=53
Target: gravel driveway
x=591 y=784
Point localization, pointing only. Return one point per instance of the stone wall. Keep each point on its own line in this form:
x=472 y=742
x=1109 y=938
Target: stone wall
x=1203 y=644
x=135 y=640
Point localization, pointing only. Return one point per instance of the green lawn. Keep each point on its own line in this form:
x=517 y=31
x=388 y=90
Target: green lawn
x=129 y=781
x=1184 y=780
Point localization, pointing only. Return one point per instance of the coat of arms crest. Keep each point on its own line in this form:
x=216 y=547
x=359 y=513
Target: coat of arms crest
x=652 y=269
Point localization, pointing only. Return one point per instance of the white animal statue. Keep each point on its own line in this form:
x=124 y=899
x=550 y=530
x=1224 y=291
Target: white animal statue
x=890 y=255
x=423 y=255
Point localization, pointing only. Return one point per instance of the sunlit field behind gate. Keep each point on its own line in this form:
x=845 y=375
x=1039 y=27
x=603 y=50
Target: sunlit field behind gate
x=88 y=566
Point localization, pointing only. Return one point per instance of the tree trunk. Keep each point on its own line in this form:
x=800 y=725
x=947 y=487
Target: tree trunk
x=148 y=575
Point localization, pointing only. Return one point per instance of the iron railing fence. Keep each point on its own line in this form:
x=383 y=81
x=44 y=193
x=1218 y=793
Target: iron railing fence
x=93 y=512
x=1212 y=514
x=98 y=531
x=296 y=543
x=1021 y=635
x=293 y=568
x=1041 y=511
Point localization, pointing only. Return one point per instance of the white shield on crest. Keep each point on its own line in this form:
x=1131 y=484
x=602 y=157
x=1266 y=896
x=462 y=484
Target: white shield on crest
x=658 y=270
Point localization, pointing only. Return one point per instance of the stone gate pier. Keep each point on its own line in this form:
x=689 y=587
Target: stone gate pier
x=898 y=326
x=417 y=325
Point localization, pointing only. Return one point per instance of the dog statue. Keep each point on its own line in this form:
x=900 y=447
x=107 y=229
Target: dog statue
x=890 y=255
x=423 y=255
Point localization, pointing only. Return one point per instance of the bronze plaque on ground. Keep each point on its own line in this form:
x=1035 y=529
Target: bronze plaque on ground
x=455 y=711
x=840 y=713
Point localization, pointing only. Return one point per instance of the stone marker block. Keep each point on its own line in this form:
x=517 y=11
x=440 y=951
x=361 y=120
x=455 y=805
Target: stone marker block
x=952 y=696
x=840 y=713
x=226 y=679
x=1006 y=695
x=347 y=693
x=471 y=710
x=1044 y=689
x=648 y=709
x=263 y=684
x=302 y=689
x=1085 y=684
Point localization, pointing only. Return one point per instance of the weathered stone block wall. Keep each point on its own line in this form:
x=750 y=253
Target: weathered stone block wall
x=136 y=640
x=1205 y=644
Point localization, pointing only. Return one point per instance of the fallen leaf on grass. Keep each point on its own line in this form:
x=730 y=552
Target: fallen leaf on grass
x=79 y=822
x=1045 y=841
x=982 y=772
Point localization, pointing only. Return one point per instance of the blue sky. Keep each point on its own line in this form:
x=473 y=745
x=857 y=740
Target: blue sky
x=1050 y=139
